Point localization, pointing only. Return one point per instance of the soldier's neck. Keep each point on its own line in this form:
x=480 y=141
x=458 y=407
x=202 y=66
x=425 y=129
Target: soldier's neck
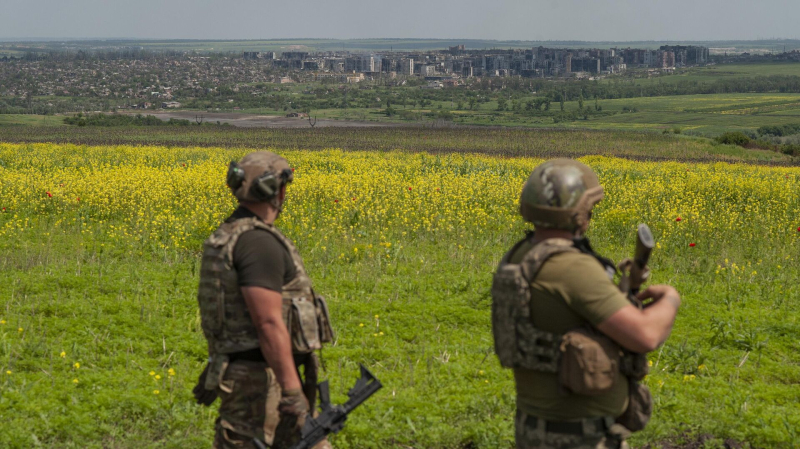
x=547 y=233
x=265 y=211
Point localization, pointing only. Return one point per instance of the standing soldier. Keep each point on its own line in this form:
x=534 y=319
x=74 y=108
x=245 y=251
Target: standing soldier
x=259 y=314
x=573 y=339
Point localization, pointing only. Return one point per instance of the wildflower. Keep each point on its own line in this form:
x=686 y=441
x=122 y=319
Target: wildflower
x=360 y=324
x=409 y=189
x=486 y=381
x=63 y=354
x=4 y=209
x=49 y=195
x=152 y=373
x=702 y=367
x=692 y=245
x=75 y=381
x=480 y=372
x=374 y=335
x=158 y=377
x=354 y=198
x=78 y=199
x=679 y=219
x=8 y=372
x=20 y=329
x=2 y=321
x=171 y=372
x=650 y=363
x=156 y=391
x=380 y=333
x=77 y=365
x=335 y=201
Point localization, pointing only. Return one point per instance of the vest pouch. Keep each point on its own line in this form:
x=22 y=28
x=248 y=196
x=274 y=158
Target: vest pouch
x=326 y=334
x=589 y=362
x=304 y=327
x=640 y=408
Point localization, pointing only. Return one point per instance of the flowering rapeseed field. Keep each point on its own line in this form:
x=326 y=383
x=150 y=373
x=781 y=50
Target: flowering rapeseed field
x=99 y=333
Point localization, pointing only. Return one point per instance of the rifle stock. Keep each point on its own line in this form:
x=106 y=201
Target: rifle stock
x=332 y=417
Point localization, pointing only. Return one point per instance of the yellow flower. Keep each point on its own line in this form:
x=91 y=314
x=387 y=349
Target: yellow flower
x=486 y=381
x=171 y=372
x=360 y=324
x=8 y=371
x=2 y=321
x=480 y=372
x=650 y=363
x=158 y=376
x=380 y=333
x=702 y=367
x=75 y=381
x=376 y=317
x=63 y=354
x=374 y=335
x=155 y=392
x=152 y=373
x=77 y=365
x=19 y=330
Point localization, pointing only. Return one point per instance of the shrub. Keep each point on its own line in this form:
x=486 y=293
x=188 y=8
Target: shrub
x=733 y=138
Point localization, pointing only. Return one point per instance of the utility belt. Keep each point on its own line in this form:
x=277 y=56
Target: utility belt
x=588 y=426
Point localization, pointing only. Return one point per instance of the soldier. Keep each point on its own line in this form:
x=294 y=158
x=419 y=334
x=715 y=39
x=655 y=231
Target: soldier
x=259 y=314
x=573 y=339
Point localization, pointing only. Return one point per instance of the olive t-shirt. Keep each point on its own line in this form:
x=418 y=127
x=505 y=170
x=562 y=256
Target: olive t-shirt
x=259 y=258
x=570 y=290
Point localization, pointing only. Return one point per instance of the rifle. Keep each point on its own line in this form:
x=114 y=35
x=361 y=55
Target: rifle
x=635 y=271
x=332 y=418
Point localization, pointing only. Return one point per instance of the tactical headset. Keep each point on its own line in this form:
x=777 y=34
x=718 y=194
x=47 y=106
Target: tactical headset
x=265 y=187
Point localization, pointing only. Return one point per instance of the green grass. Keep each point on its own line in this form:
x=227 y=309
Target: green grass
x=109 y=288
x=30 y=120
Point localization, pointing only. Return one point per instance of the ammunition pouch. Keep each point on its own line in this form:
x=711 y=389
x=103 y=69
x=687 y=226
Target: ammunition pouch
x=640 y=408
x=590 y=362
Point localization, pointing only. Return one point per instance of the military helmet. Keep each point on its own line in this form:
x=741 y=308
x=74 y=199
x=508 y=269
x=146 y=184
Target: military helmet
x=560 y=194
x=258 y=177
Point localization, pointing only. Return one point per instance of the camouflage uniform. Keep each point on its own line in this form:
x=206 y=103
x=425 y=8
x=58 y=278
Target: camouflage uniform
x=237 y=372
x=559 y=194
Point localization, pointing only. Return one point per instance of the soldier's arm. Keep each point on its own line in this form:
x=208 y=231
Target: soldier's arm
x=646 y=329
x=266 y=308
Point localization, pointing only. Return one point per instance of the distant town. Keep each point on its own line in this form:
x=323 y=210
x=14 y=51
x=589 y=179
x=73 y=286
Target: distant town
x=457 y=62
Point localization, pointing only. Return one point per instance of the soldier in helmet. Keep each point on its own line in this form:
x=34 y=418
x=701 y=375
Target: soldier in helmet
x=570 y=335
x=259 y=314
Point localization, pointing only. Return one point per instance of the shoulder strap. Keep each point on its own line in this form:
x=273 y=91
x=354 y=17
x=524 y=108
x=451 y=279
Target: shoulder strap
x=538 y=255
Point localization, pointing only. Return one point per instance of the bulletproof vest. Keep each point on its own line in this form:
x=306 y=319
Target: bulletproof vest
x=224 y=316
x=517 y=342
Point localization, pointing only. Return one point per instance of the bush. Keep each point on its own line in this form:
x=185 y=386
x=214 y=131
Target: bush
x=733 y=138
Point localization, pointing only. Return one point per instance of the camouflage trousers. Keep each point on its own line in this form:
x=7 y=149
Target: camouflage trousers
x=531 y=433
x=250 y=395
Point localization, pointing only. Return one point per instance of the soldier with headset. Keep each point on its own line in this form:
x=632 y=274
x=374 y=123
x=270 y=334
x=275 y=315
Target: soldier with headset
x=259 y=314
x=576 y=343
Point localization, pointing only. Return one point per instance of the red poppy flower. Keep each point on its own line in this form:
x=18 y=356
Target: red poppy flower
x=78 y=199
x=183 y=165
x=49 y=195
x=335 y=201
x=4 y=209
x=798 y=228
x=409 y=189
x=691 y=245
x=292 y=169
x=354 y=198
x=678 y=219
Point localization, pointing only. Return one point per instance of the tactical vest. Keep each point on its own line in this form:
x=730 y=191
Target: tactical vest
x=224 y=316
x=518 y=343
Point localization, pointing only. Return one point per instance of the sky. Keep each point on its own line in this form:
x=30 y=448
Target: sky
x=587 y=20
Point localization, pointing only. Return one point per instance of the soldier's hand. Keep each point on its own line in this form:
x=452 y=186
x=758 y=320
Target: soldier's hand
x=294 y=407
x=659 y=292
x=201 y=395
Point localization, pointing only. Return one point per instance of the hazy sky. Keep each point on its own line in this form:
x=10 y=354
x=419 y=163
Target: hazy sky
x=616 y=20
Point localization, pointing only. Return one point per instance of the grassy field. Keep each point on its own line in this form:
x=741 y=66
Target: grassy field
x=495 y=141
x=99 y=330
